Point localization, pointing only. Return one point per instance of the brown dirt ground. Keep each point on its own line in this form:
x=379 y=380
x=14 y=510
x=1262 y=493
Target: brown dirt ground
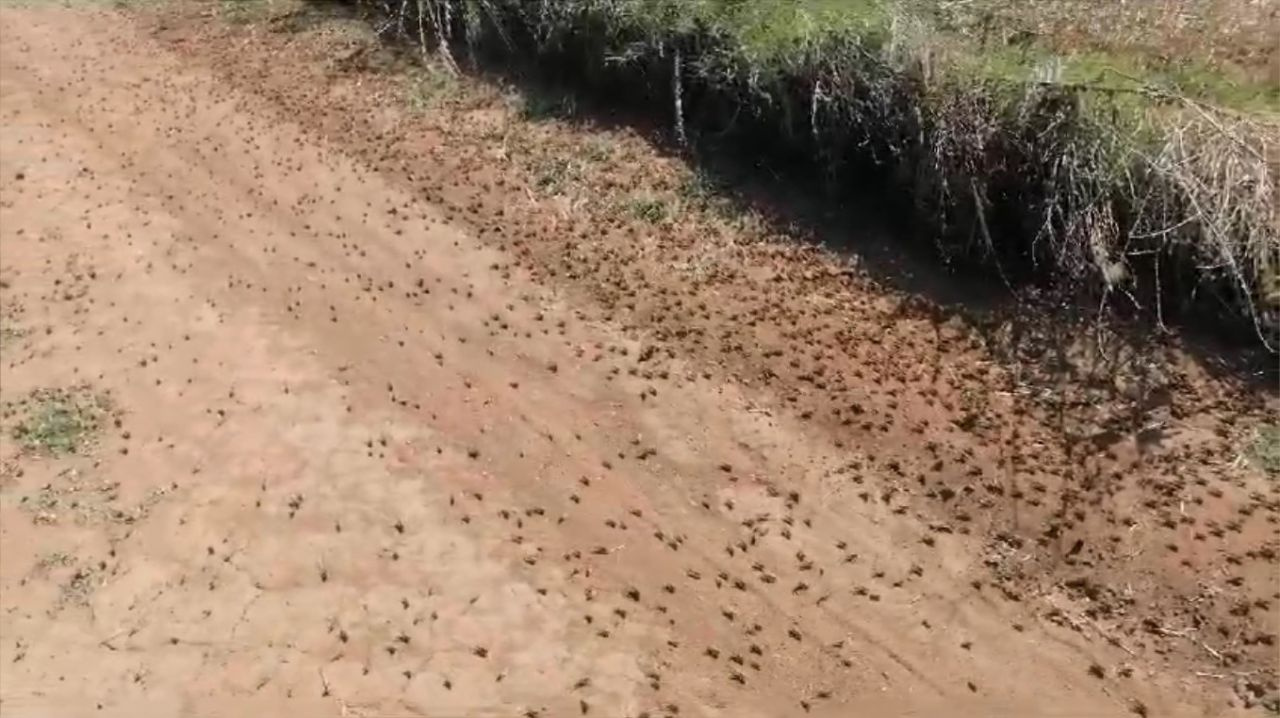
x=411 y=405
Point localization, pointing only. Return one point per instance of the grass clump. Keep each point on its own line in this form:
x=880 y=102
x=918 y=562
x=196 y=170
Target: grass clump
x=555 y=175
x=58 y=421
x=1265 y=450
x=1094 y=149
x=429 y=88
x=648 y=209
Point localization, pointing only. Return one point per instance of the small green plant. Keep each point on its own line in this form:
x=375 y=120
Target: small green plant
x=429 y=88
x=1265 y=450
x=650 y=209
x=59 y=421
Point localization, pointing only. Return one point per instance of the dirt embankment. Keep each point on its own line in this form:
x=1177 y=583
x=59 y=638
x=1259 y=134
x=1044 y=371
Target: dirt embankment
x=326 y=394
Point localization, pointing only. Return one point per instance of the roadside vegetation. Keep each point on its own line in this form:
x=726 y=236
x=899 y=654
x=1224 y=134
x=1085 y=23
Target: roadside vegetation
x=1119 y=154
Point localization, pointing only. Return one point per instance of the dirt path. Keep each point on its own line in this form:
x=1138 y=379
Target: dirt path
x=355 y=461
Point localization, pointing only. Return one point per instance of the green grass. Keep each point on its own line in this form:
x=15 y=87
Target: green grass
x=769 y=30
x=58 y=421
x=772 y=34
x=1133 y=72
x=1265 y=449
x=649 y=209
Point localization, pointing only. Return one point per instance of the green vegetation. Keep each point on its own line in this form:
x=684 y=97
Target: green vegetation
x=650 y=209
x=1107 y=150
x=57 y=421
x=1060 y=40
x=1265 y=450
x=428 y=87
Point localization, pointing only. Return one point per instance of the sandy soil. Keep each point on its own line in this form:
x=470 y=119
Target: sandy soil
x=382 y=431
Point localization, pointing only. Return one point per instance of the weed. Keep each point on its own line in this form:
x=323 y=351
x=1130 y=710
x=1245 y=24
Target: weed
x=1265 y=450
x=598 y=149
x=650 y=209
x=702 y=191
x=59 y=421
x=430 y=87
